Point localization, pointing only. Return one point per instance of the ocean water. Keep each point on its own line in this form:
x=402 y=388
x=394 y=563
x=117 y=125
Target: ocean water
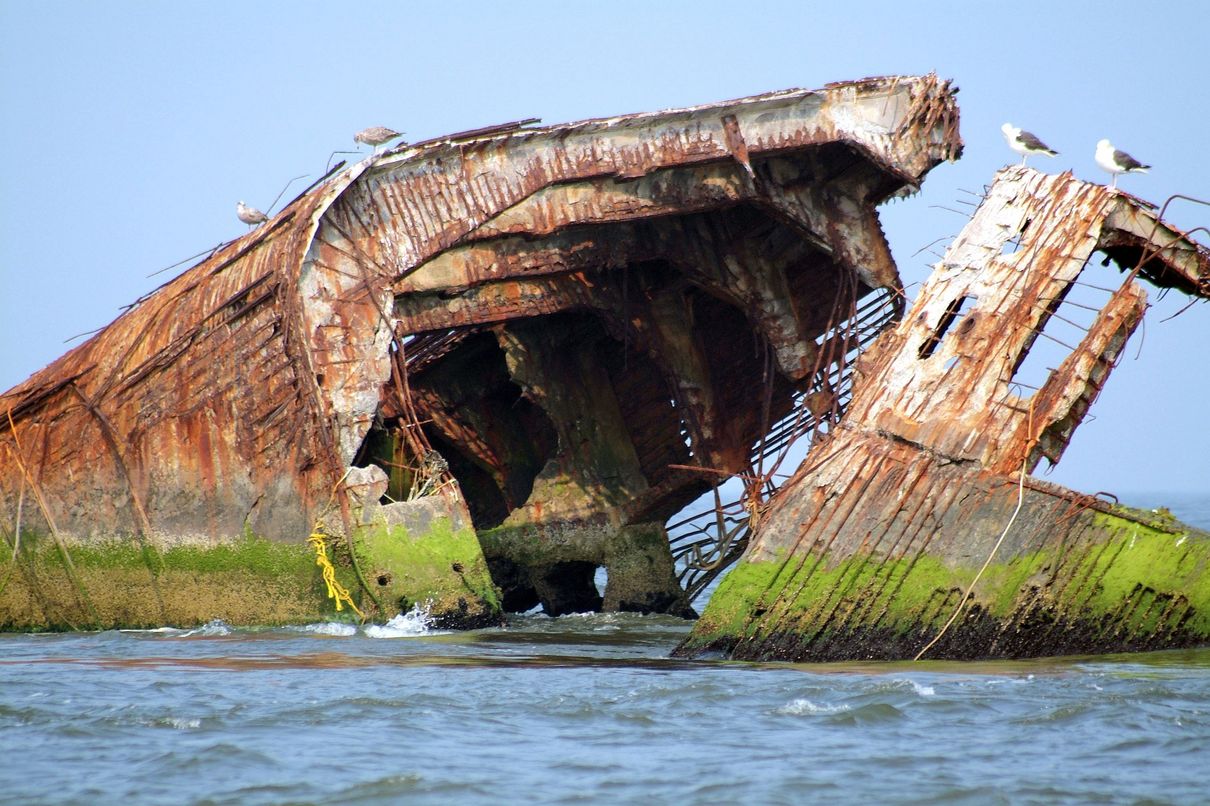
x=1192 y=508
x=581 y=709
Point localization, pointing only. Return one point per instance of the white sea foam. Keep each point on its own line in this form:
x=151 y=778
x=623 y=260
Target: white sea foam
x=210 y=628
x=329 y=628
x=406 y=625
x=599 y=620
x=175 y=722
x=920 y=689
x=905 y=684
x=800 y=707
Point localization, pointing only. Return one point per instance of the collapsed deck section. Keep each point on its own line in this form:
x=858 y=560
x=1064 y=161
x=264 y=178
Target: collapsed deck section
x=598 y=323
x=915 y=528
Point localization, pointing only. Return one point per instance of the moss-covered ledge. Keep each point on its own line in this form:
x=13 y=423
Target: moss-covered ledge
x=1104 y=579
x=414 y=553
x=420 y=554
x=114 y=583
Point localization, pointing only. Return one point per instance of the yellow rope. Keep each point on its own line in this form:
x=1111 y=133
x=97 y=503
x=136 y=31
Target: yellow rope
x=336 y=591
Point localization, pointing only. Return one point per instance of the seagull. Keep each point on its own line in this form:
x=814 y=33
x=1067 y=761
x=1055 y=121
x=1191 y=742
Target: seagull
x=376 y=136
x=250 y=215
x=1025 y=143
x=1117 y=162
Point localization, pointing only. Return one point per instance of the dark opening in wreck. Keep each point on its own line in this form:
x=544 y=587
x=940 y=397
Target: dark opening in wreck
x=595 y=358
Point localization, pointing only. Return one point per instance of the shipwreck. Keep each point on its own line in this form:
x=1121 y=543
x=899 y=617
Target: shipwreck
x=471 y=372
x=917 y=530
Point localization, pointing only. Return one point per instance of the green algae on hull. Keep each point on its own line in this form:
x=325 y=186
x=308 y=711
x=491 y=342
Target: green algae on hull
x=118 y=583
x=441 y=569
x=114 y=584
x=1131 y=582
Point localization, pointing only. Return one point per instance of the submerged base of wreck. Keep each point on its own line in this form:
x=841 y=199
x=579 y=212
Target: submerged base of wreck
x=555 y=568
x=1074 y=575
x=423 y=553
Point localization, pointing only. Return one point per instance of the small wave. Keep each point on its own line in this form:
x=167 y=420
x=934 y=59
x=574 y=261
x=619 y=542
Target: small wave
x=405 y=625
x=176 y=723
x=333 y=628
x=873 y=713
x=800 y=707
x=210 y=628
x=902 y=685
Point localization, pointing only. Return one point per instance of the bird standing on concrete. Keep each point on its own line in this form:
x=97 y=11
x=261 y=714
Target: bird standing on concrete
x=250 y=215
x=1025 y=143
x=376 y=136
x=1117 y=162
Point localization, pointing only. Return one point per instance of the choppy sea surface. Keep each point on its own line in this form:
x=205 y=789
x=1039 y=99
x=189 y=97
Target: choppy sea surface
x=582 y=709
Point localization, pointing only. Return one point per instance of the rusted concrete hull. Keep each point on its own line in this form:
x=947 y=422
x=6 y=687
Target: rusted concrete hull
x=236 y=399
x=609 y=294
x=915 y=530
x=883 y=560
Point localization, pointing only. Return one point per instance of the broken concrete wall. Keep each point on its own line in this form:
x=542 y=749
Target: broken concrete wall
x=190 y=431
x=420 y=553
x=177 y=419
x=922 y=497
x=1074 y=575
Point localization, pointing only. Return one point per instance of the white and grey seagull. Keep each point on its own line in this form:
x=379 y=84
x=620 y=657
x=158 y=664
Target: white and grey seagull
x=250 y=215
x=376 y=136
x=1117 y=162
x=1025 y=143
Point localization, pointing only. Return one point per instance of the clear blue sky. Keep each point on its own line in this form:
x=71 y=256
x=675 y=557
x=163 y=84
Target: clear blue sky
x=131 y=129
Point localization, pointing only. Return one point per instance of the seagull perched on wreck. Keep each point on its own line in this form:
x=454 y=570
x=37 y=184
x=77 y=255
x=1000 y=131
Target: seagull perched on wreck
x=250 y=215
x=1025 y=143
x=1117 y=162
x=376 y=136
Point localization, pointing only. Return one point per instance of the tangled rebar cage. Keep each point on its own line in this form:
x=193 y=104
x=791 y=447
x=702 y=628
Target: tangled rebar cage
x=711 y=533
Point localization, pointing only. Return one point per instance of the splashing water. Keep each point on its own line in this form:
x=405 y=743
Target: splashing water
x=406 y=625
x=210 y=628
x=800 y=707
x=907 y=684
x=331 y=628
